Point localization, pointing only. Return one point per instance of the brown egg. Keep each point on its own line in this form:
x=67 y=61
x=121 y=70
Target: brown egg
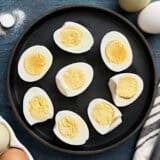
x=14 y=154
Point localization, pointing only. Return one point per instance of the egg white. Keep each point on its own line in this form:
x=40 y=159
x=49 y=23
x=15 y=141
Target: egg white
x=64 y=89
x=104 y=129
x=114 y=35
x=121 y=102
x=36 y=91
x=85 y=44
x=83 y=131
x=24 y=75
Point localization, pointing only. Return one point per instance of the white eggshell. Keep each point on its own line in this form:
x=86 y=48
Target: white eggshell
x=85 y=44
x=36 y=91
x=7 y=20
x=114 y=35
x=149 y=18
x=121 y=102
x=24 y=75
x=83 y=131
x=104 y=129
x=14 y=142
x=64 y=89
x=4 y=138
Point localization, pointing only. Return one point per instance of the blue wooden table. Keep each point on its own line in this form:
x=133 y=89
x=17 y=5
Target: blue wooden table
x=34 y=9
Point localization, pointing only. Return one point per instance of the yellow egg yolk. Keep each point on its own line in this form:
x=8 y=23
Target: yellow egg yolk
x=74 y=77
x=68 y=126
x=38 y=107
x=34 y=63
x=103 y=113
x=116 y=52
x=126 y=87
x=70 y=36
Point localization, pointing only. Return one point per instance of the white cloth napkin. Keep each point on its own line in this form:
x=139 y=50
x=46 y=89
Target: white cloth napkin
x=149 y=133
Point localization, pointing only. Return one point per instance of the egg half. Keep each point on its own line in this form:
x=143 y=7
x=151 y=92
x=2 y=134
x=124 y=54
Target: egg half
x=103 y=115
x=116 y=51
x=71 y=128
x=34 y=63
x=37 y=106
x=125 y=88
x=74 y=78
x=74 y=38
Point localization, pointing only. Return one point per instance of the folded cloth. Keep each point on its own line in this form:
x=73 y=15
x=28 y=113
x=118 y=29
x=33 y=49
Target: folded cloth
x=149 y=133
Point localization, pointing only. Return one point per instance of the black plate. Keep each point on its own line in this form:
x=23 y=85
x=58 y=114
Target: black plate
x=98 y=21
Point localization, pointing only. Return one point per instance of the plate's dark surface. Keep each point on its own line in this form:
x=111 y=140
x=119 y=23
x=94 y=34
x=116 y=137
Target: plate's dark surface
x=98 y=21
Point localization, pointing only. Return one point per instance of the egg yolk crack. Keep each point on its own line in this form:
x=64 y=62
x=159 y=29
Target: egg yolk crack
x=127 y=87
x=70 y=36
x=116 y=52
x=68 y=126
x=74 y=77
x=103 y=113
x=38 y=107
x=34 y=63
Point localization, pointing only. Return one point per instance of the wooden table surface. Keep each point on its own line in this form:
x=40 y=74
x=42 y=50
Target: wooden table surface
x=33 y=9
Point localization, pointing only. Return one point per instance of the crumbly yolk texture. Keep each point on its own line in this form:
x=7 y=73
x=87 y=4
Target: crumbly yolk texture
x=127 y=87
x=116 y=52
x=103 y=113
x=68 y=126
x=74 y=77
x=38 y=107
x=34 y=63
x=70 y=36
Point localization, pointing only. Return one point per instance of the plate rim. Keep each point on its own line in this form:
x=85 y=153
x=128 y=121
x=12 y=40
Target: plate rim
x=13 y=106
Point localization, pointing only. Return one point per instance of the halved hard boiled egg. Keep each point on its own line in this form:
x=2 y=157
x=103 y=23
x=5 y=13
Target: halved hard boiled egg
x=103 y=115
x=116 y=51
x=37 y=106
x=34 y=63
x=71 y=128
x=125 y=88
x=74 y=38
x=74 y=78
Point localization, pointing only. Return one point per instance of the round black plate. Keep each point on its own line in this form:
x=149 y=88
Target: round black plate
x=98 y=21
